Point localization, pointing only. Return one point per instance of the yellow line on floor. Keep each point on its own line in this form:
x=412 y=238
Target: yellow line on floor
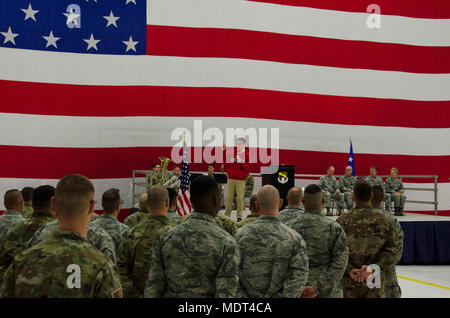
x=422 y=282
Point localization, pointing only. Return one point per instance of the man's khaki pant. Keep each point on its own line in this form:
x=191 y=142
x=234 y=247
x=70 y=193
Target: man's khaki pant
x=235 y=187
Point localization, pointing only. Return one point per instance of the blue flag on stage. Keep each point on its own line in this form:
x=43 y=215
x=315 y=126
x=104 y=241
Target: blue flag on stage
x=351 y=160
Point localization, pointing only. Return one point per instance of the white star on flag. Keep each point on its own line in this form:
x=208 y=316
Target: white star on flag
x=350 y=159
x=111 y=19
x=128 y=1
x=9 y=36
x=131 y=44
x=71 y=17
x=92 y=43
x=51 y=40
x=30 y=13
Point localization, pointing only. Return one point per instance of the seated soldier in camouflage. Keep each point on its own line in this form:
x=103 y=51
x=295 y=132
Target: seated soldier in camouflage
x=327 y=246
x=196 y=259
x=27 y=194
x=254 y=213
x=294 y=207
x=346 y=184
x=13 y=202
x=108 y=221
x=17 y=237
x=172 y=212
x=138 y=216
x=329 y=186
x=274 y=261
x=374 y=180
x=394 y=187
x=65 y=265
x=135 y=253
x=393 y=289
x=157 y=178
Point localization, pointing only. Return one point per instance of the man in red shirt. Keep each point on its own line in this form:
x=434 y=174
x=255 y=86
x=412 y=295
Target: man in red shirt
x=237 y=169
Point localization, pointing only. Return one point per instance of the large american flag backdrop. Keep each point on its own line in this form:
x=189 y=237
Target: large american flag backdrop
x=96 y=87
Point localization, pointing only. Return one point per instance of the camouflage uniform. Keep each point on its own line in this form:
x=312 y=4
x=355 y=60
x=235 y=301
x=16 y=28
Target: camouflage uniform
x=225 y=222
x=195 y=259
x=158 y=178
x=346 y=184
x=97 y=236
x=290 y=212
x=17 y=237
x=327 y=251
x=249 y=185
x=392 y=187
x=135 y=218
x=134 y=255
x=379 y=181
x=95 y=217
x=27 y=211
x=393 y=289
x=174 y=216
x=7 y=221
x=274 y=261
x=330 y=184
x=248 y=219
x=372 y=239
x=43 y=270
x=113 y=227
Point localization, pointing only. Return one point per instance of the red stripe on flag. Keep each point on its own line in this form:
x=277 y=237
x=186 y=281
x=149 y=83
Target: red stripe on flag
x=46 y=99
x=100 y=163
x=435 y=9
x=255 y=45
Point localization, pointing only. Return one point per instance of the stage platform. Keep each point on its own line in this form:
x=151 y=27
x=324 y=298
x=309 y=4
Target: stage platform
x=426 y=238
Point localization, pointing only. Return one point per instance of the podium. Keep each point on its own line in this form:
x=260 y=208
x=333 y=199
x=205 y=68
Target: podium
x=283 y=179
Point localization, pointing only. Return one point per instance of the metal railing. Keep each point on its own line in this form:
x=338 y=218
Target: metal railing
x=148 y=177
x=434 y=189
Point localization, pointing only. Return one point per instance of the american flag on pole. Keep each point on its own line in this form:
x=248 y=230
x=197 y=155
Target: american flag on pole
x=183 y=200
x=96 y=87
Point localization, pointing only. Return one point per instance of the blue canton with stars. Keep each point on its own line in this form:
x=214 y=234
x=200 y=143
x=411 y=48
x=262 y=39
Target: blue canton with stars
x=78 y=26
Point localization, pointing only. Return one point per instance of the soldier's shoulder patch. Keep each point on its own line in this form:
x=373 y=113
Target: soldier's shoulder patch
x=118 y=293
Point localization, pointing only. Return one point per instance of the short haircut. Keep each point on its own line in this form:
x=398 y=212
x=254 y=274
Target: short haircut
x=143 y=206
x=242 y=139
x=42 y=197
x=173 y=195
x=395 y=169
x=294 y=195
x=253 y=200
x=378 y=194
x=27 y=193
x=375 y=168
x=174 y=167
x=211 y=165
x=362 y=191
x=313 y=195
x=157 y=196
x=12 y=198
x=72 y=195
x=110 y=200
x=203 y=187
x=329 y=167
x=154 y=165
x=268 y=198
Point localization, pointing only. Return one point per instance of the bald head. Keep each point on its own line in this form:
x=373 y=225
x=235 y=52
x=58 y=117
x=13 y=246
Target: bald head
x=268 y=200
x=348 y=171
x=13 y=200
x=294 y=196
x=143 y=206
x=313 y=197
x=158 y=199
